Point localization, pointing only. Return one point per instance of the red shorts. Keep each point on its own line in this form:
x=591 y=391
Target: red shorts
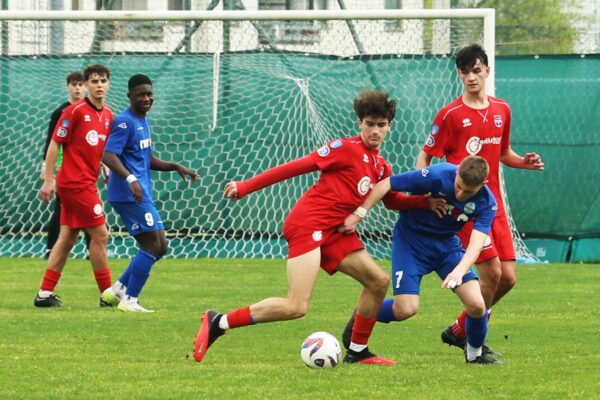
x=81 y=208
x=500 y=243
x=334 y=246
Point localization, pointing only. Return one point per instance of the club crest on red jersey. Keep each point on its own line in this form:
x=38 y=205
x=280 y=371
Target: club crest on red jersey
x=498 y=121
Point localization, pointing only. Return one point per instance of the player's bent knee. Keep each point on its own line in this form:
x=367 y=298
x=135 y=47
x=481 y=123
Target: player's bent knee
x=298 y=310
x=402 y=312
x=476 y=308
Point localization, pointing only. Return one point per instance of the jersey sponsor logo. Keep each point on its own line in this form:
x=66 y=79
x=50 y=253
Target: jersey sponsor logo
x=62 y=132
x=317 y=236
x=365 y=158
x=92 y=138
x=474 y=144
x=98 y=209
x=336 y=143
x=122 y=125
x=364 y=185
x=435 y=128
x=430 y=141
x=323 y=151
x=145 y=143
x=469 y=208
x=466 y=122
x=65 y=123
x=424 y=172
x=87 y=118
x=498 y=121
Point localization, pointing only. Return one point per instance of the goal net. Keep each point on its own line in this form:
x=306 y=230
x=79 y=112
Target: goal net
x=236 y=92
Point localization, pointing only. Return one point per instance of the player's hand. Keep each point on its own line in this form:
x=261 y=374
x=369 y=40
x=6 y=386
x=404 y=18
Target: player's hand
x=231 y=191
x=437 y=205
x=137 y=192
x=452 y=281
x=47 y=191
x=533 y=161
x=349 y=225
x=105 y=172
x=183 y=172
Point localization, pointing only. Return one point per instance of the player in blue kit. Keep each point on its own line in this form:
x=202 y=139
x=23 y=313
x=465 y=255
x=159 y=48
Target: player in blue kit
x=424 y=242
x=129 y=155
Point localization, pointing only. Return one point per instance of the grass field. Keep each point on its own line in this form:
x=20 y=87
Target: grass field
x=547 y=328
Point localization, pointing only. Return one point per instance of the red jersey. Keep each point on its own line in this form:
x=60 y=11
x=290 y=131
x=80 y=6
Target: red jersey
x=349 y=170
x=459 y=131
x=82 y=130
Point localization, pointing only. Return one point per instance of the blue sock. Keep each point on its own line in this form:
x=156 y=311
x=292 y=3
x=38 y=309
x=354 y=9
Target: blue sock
x=386 y=312
x=140 y=271
x=476 y=329
x=124 y=279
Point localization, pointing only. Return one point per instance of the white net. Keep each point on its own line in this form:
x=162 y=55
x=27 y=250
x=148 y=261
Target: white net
x=232 y=98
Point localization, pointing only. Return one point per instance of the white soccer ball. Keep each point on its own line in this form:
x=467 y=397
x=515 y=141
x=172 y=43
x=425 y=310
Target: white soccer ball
x=321 y=350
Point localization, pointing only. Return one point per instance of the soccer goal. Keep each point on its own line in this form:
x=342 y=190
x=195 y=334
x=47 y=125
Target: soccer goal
x=236 y=92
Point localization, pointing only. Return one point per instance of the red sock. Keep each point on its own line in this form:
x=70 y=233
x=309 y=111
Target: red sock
x=240 y=317
x=362 y=329
x=458 y=327
x=103 y=279
x=50 y=280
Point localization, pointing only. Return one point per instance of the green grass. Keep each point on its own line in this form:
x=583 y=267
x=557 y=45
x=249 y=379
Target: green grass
x=547 y=328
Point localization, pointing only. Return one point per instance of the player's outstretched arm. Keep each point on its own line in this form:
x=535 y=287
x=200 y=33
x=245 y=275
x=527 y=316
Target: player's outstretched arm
x=156 y=164
x=112 y=161
x=531 y=161
x=238 y=189
x=47 y=190
x=378 y=193
x=476 y=242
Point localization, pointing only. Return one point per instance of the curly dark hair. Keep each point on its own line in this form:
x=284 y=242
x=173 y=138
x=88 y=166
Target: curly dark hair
x=372 y=103
x=468 y=56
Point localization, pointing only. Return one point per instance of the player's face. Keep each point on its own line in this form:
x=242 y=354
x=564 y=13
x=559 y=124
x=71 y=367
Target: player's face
x=76 y=89
x=141 y=98
x=473 y=78
x=463 y=191
x=373 y=131
x=97 y=86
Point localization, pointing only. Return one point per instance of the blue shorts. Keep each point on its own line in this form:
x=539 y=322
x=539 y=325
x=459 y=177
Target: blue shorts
x=415 y=255
x=139 y=218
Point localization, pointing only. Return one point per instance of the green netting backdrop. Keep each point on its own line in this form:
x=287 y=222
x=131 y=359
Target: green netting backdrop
x=275 y=108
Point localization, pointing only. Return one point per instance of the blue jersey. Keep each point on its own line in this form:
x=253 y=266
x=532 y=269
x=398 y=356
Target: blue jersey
x=130 y=140
x=438 y=180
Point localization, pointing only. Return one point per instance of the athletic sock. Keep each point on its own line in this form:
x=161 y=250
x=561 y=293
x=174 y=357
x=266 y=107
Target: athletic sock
x=473 y=352
x=103 y=279
x=140 y=271
x=458 y=327
x=476 y=330
x=237 y=318
x=386 y=311
x=50 y=280
x=361 y=330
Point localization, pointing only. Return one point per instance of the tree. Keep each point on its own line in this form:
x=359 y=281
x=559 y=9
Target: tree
x=532 y=26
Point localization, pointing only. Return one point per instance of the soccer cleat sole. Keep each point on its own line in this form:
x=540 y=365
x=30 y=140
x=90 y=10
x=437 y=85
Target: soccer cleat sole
x=202 y=337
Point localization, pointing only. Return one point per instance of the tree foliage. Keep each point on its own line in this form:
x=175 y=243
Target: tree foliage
x=533 y=26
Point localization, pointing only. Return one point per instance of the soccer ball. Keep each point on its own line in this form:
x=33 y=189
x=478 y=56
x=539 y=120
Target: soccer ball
x=321 y=350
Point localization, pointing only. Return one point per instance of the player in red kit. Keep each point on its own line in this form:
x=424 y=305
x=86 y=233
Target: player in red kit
x=478 y=124
x=82 y=131
x=349 y=169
